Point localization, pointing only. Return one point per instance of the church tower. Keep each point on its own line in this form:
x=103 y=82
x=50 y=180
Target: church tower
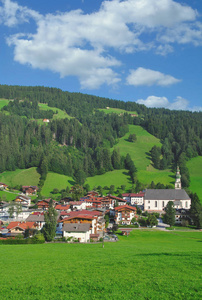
x=178 y=185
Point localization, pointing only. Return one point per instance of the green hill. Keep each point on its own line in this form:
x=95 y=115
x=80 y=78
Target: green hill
x=59 y=113
x=20 y=177
x=3 y=102
x=55 y=180
x=195 y=170
x=118 y=111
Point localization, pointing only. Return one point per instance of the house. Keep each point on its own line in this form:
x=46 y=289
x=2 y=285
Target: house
x=79 y=205
x=124 y=214
x=156 y=200
x=29 y=190
x=93 y=193
x=37 y=218
x=63 y=207
x=134 y=198
x=23 y=200
x=3 y=186
x=182 y=215
x=46 y=120
x=16 y=228
x=116 y=200
x=13 y=211
x=44 y=204
x=78 y=231
x=94 y=218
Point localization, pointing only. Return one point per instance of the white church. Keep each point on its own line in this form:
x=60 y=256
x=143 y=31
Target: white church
x=155 y=200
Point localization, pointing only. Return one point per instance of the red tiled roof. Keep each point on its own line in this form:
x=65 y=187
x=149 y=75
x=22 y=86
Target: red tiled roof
x=62 y=207
x=121 y=207
x=23 y=225
x=75 y=202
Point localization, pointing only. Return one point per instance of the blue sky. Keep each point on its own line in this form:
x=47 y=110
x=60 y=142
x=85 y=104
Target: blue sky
x=148 y=51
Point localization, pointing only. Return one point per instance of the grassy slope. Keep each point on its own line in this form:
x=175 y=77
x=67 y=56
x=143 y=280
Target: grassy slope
x=139 y=152
x=145 y=265
x=117 y=111
x=3 y=102
x=60 y=115
x=55 y=180
x=20 y=177
x=195 y=170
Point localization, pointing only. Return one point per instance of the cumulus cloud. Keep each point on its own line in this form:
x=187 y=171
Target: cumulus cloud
x=12 y=14
x=78 y=44
x=149 y=77
x=178 y=104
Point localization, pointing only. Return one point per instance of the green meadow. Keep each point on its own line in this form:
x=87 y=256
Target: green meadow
x=195 y=169
x=20 y=177
x=3 y=102
x=139 y=152
x=59 y=113
x=117 y=111
x=55 y=180
x=145 y=265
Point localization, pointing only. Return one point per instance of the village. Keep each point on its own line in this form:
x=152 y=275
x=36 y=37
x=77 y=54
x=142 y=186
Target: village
x=93 y=217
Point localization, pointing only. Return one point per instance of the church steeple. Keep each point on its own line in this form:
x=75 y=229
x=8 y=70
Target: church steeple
x=178 y=185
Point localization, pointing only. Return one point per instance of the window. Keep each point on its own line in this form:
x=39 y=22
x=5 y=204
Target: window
x=163 y=204
x=186 y=204
x=149 y=201
x=155 y=203
x=148 y=207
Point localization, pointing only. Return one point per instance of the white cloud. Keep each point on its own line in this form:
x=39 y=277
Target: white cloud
x=149 y=77
x=12 y=14
x=178 y=104
x=74 y=43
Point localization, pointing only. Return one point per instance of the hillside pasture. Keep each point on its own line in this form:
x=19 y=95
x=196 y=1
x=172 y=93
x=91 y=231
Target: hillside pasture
x=139 y=152
x=54 y=180
x=20 y=177
x=116 y=111
x=59 y=113
x=116 y=178
x=3 y=102
x=195 y=169
x=145 y=265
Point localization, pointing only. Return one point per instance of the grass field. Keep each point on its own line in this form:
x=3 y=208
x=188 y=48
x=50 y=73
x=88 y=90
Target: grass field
x=117 y=111
x=55 y=180
x=3 y=102
x=20 y=177
x=8 y=196
x=116 y=177
x=195 y=170
x=61 y=114
x=146 y=265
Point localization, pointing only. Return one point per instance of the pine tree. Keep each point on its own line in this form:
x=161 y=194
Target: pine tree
x=169 y=217
x=50 y=218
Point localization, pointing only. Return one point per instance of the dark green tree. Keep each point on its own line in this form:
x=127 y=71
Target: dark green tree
x=152 y=220
x=50 y=218
x=132 y=138
x=169 y=217
x=196 y=210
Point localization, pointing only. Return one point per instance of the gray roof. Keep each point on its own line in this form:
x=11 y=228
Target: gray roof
x=76 y=227
x=35 y=218
x=166 y=194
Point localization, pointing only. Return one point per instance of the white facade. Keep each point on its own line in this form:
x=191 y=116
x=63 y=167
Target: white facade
x=137 y=200
x=83 y=237
x=159 y=205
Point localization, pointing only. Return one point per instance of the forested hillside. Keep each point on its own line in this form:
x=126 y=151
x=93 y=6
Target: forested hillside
x=81 y=147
